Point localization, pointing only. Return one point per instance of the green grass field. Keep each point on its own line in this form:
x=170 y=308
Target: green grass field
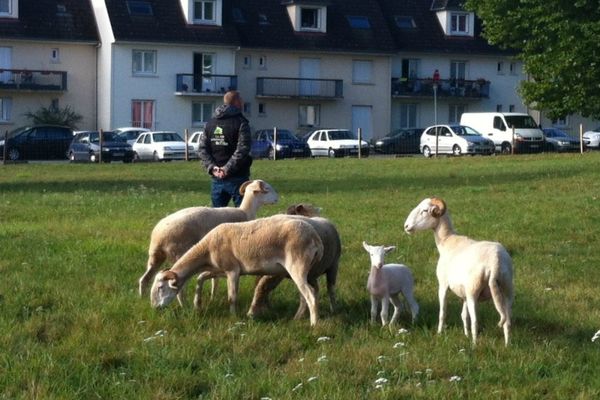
x=73 y=243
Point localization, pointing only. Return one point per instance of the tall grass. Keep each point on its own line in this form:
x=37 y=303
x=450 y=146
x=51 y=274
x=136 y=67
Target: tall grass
x=73 y=242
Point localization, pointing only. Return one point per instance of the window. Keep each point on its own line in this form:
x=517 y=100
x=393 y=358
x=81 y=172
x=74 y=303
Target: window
x=309 y=18
x=512 y=68
x=454 y=113
x=262 y=109
x=309 y=115
x=498 y=107
x=139 y=8
x=458 y=70
x=362 y=71
x=262 y=62
x=5 y=6
x=500 y=68
x=408 y=116
x=54 y=56
x=403 y=22
x=205 y=11
x=410 y=68
x=144 y=62
x=561 y=122
x=511 y=108
x=142 y=113
x=5 y=108
x=201 y=113
x=247 y=62
x=359 y=22
x=459 y=23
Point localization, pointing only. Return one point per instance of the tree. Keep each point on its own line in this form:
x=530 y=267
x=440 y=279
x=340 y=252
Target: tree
x=557 y=40
x=55 y=116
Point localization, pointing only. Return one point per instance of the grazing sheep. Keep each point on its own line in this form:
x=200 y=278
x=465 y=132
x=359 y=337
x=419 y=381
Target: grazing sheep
x=328 y=265
x=386 y=282
x=473 y=270
x=268 y=246
x=305 y=209
x=176 y=233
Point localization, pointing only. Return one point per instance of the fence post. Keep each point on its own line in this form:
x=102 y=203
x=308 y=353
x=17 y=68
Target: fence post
x=5 y=147
x=274 y=143
x=100 y=142
x=186 y=134
x=359 y=142
x=512 y=145
x=581 y=138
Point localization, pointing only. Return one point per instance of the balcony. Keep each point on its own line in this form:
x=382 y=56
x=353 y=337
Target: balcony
x=298 y=88
x=204 y=85
x=447 y=88
x=27 y=80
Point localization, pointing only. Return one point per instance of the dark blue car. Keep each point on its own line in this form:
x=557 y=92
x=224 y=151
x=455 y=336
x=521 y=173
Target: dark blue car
x=285 y=145
x=86 y=147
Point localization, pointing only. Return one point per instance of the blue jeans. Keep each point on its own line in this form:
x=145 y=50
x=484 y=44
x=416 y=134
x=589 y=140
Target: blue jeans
x=223 y=190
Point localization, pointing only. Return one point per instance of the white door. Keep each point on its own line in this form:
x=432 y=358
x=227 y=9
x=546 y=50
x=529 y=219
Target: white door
x=310 y=69
x=5 y=63
x=362 y=117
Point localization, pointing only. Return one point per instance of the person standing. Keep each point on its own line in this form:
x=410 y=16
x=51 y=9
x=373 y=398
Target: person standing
x=224 y=150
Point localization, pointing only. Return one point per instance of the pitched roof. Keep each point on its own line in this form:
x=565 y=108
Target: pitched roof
x=266 y=24
x=63 y=20
x=167 y=24
x=428 y=35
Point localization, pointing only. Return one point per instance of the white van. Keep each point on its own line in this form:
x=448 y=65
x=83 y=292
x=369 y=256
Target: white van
x=496 y=126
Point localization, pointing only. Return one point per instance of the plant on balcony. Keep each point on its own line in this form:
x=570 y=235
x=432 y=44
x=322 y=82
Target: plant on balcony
x=55 y=116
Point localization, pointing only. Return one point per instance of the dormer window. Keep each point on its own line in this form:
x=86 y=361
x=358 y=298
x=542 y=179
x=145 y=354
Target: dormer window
x=309 y=18
x=139 y=8
x=202 y=12
x=459 y=23
x=9 y=8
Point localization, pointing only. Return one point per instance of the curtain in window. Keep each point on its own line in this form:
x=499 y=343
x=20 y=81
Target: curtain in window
x=142 y=113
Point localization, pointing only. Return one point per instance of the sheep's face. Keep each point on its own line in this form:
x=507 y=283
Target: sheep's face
x=164 y=289
x=261 y=190
x=304 y=209
x=377 y=253
x=425 y=216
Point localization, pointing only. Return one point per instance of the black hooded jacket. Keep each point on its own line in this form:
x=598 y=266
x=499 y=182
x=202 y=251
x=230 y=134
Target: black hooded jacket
x=226 y=142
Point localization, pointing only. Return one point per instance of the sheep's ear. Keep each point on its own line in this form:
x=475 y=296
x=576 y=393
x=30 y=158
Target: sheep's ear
x=291 y=210
x=262 y=187
x=366 y=246
x=244 y=186
x=171 y=278
x=387 y=249
x=437 y=207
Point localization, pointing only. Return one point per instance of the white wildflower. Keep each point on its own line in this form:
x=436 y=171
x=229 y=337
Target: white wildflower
x=312 y=379
x=381 y=358
x=399 y=344
x=265 y=398
x=323 y=339
x=381 y=381
x=141 y=322
x=461 y=350
x=418 y=372
x=240 y=323
x=378 y=386
x=322 y=358
x=161 y=333
x=402 y=331
x=379 y=373
x=229 y=375
x=548 y=289
x=455 y=378
x=297 y=387
x=596 y=336
x=149 y=338
x=301 y=359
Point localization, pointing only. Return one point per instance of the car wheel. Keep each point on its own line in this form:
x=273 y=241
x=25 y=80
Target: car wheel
x=456 y=150
x=506 y=148
x=331 y=153
x=71 y=157
x=127 y=160
x=13 y=154
x=155 y=156
x=93 y=158
x=426 y=151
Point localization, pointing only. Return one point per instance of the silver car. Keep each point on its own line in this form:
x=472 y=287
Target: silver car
x=455 y=140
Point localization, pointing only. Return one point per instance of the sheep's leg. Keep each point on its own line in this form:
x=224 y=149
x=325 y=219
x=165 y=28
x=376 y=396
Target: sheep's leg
x=213 y=288
x=199 y=283
x=308 y=292
x=331 y=281
x=385 y=304
x=465 y=318
x=397 y=303
x=302 y=306
x=155 y=260
x=181 y=296
x=414 y=306
x=265 y=284
x=442 y=316
x=471 y=305
x=233 y=283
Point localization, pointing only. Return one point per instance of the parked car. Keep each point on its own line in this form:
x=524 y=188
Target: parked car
x=39 y=142
x=130 y=133
x=86 y=147
x=399 y=141
x=193 y=145
x=591 y=139
x=454 y=139
x=159 y=146
x=286 y=144
x=557 y=140
x=336 y=143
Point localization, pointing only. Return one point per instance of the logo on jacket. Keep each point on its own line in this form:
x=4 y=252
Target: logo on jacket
x=219 y=137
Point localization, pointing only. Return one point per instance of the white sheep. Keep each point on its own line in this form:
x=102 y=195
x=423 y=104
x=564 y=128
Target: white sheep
x=473 y=270
x=328 y=265
x=178 y=232
x=276 y=245
x=386 y=282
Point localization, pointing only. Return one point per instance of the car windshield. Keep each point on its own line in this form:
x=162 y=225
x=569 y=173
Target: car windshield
x=16 y=132
x=340 y=135
x=282 y=135
x=167 y=137
x=462 y=130
x=106 y=136
x=520 y=122
x=555 y=133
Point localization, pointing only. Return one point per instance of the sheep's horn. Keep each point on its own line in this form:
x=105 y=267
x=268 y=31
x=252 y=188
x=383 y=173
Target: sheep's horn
x=438 y=207
x=243 y=187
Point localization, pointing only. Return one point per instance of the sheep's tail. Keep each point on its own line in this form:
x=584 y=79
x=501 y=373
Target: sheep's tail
x=498 y=298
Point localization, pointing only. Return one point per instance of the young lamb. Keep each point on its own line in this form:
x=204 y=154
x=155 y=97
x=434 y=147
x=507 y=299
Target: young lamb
x=268 y=246
x=328 y=265
x=473 y=270
x=176 y=233
x=386 y=282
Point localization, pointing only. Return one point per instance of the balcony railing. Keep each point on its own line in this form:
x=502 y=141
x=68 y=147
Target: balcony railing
x=300 y=88
x=196 y=84
x=33 y=80
x=453 y=88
